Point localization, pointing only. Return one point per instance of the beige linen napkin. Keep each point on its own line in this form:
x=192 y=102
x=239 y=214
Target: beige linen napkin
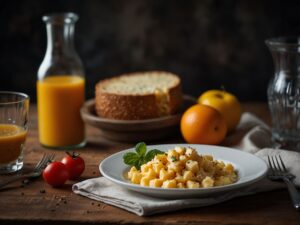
x=252 y=135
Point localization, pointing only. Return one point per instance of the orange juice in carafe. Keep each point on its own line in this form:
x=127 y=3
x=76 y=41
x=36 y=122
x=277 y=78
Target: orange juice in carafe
x=60 y=86
x=59 y=102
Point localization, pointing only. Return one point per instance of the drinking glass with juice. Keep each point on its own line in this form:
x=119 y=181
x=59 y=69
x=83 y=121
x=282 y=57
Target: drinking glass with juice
x=14 y=109
x=60 y=86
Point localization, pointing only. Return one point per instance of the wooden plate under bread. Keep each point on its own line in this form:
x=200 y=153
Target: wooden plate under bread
x=134 y=130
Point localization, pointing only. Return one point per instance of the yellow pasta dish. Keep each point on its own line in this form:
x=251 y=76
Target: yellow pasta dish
x=183 y=167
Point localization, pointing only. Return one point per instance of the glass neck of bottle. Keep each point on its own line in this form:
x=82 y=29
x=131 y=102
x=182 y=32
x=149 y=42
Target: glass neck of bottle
x=286 y=63
x=60 y=38
x=286 y=55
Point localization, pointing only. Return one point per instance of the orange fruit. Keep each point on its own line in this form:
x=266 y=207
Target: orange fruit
x=202 y=124
x=226 y=103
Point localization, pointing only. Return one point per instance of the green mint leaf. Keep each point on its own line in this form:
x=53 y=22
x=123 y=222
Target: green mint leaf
x=141 y=148
x=173 y=158
x=139 y=163
x=140 y=157
x=131 y=158
x=150 y=154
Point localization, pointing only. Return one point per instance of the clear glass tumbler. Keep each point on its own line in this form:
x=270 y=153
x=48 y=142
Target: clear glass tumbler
x=284 y=92
x=14 y=109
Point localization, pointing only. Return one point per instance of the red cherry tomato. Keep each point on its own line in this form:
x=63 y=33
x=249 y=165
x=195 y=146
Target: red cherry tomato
x=56 y=174
x=75 y=165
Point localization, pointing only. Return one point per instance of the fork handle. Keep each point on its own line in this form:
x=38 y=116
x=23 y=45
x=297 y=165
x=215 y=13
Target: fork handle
x=12 y=179
x=295 y=196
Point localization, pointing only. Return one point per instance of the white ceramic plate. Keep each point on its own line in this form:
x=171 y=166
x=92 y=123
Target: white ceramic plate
x=250 y=169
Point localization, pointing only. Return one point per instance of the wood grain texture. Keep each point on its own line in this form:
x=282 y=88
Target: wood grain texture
x=27 y=204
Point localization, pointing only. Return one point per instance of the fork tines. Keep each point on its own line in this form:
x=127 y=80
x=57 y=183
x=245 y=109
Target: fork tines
x=43 y=162
x=276 y=164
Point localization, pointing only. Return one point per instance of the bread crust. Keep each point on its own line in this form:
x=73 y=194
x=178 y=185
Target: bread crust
x=175 y=99
x=134 y=106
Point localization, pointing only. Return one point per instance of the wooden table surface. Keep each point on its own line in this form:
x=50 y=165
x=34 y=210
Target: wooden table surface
x=38 y=203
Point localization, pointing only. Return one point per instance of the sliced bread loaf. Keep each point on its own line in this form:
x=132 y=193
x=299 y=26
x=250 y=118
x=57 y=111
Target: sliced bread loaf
x=139 y=96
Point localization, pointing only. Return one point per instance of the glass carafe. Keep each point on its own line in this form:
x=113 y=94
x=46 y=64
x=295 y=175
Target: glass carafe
x=60 y=86
x=284 y=92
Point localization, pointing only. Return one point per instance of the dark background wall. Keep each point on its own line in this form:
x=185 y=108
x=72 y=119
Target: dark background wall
x=208 y=43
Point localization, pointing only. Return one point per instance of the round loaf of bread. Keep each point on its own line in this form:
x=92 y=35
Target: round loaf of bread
x=138 y=96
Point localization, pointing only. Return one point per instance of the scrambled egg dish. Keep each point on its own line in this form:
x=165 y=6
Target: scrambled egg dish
x=183 y=168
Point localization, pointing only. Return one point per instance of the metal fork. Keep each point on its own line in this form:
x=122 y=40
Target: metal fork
x=35 y=173
x=278 y=171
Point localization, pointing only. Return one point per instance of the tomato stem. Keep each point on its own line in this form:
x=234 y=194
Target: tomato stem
x=74 y=155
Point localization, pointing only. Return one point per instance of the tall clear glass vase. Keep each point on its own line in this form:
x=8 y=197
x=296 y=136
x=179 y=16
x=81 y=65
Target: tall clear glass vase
x=284 y=92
